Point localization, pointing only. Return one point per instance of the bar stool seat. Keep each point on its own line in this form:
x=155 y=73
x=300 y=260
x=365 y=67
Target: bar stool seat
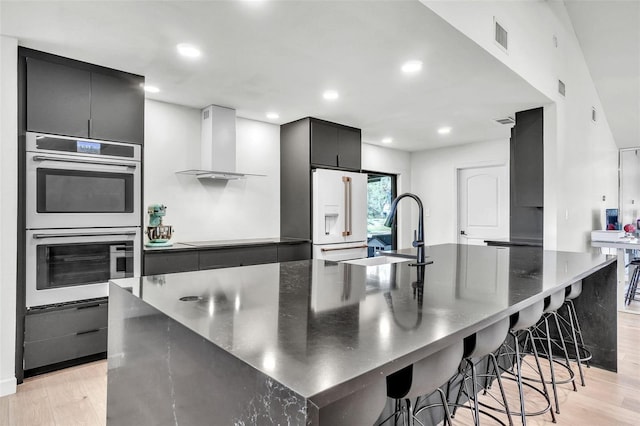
x=425 y=377
x=361 y=408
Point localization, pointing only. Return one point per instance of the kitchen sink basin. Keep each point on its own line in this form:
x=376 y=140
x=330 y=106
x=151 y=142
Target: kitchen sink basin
x=379 y=260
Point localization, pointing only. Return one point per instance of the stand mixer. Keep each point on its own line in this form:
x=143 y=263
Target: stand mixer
x=159 y=234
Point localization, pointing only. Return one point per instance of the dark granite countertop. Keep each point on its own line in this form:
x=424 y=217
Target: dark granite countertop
x=217 y=244
x=320 y=328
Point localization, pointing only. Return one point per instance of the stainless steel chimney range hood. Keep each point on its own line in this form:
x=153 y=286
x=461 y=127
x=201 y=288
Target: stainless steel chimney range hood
x=218 y=146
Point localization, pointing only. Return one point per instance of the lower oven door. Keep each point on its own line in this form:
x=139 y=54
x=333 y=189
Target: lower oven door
x=65 y=265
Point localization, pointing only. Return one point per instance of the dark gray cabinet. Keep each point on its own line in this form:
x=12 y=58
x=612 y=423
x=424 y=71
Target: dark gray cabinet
x=117 y=108
x=165 y=262
x=528 y=158
x=63 y=334
x=526 y=220
x=168 y=262
x=72 y=98
x=241 y=256
x=290 y=252
x=334 y=145
x=58 y=98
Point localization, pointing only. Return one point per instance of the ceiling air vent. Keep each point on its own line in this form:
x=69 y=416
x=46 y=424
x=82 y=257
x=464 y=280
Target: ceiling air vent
x=561 y=87
x=501 y=35
x=508 y=120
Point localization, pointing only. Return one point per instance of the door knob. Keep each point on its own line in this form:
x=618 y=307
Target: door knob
x=462 y=232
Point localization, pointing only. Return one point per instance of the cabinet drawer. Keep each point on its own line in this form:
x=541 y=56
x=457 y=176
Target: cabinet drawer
x=289 y=252
x=47 y=325
x=224 y=258
x=166 y=263
x=65 y=348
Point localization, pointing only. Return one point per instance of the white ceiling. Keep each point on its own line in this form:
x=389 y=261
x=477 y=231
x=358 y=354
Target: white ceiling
x=609 y=35
x=281 y=55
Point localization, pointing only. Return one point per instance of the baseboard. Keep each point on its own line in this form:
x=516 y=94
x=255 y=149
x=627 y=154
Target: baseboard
x=8 y=386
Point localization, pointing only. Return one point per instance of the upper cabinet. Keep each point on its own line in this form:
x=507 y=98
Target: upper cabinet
x=58 y=99
x=72 y=98
x=334 y=145
x=527 y=158
x=117 y=107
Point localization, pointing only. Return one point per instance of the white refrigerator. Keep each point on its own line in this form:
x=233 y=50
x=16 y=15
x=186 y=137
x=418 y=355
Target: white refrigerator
x=339 y=215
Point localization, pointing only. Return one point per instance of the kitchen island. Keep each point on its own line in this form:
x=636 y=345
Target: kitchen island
x=275 y=343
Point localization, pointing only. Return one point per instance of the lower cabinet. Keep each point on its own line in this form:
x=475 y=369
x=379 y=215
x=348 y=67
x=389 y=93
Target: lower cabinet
x=166 y=262
x=65 y=333
x=241 y=256
x=169 y=262
x=289 y=252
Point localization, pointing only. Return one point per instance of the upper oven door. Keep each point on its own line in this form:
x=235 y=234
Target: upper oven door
x=79 y=191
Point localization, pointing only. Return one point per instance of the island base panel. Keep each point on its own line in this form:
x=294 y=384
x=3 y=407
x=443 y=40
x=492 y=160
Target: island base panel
x=159 y=372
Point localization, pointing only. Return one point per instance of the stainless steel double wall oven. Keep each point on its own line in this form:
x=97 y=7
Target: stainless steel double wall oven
x=82 y=217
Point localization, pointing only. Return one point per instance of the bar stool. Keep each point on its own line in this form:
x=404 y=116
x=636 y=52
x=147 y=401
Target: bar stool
x=423 y=378
x=361 y=408
x=633 y=282
x=551 y=305
x=521 y=323
x=478 y=346
x=582 y=354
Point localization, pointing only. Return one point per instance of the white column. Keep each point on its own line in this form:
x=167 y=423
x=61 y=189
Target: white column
x=8 y=210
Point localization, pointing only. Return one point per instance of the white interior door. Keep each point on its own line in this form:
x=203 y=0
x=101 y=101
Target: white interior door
x=483 y=204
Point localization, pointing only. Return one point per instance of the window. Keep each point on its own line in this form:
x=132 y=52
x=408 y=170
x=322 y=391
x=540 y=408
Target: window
x=381 y=190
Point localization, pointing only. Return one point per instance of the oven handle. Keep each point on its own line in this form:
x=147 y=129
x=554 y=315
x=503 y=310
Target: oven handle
x=65 y=160
x=96 y=234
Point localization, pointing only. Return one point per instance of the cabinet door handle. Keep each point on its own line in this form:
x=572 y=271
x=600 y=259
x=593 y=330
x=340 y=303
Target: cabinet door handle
x=73 y=160
x=88 y=234
x=338 y=160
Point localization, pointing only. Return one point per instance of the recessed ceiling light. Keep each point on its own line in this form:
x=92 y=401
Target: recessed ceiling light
x=188 y=50
x=273 y=115
x=151 y=89
x=444 y=130
x=411 y=67
x=330 y=95
x=387 y=140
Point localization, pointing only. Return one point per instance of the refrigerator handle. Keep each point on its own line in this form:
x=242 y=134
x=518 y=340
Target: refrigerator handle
x=347 y=206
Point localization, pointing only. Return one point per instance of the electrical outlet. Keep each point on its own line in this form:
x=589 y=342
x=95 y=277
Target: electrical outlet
x=427 y=212
x=566 y=214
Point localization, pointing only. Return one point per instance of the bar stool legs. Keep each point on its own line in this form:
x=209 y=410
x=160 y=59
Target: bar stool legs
x=544 y=392
x=633 y=283
x=577 y=346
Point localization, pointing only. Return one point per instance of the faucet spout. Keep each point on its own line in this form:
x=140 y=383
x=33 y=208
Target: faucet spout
x=418 y=239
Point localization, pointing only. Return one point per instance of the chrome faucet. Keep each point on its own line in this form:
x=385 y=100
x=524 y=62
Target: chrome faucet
x=418 y=238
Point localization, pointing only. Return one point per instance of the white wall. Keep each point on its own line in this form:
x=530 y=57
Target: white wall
x=210 y=209
x=434 y=180
x=580 y=156
x=384 y=160
x=8 y=210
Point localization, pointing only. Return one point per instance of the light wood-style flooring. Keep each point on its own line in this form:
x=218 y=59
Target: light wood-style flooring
x=77 y=396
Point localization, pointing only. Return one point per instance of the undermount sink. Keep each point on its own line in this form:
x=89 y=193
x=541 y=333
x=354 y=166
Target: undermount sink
x=379 y=260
